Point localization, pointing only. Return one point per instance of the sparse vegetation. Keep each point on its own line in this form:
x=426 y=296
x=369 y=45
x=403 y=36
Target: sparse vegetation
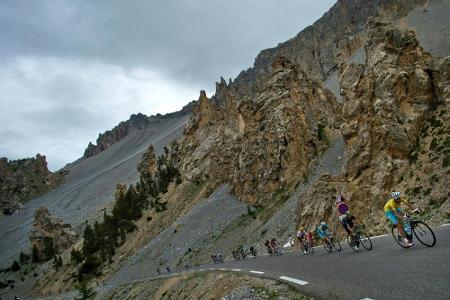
x=416 y=190
x=433 y=179
x=101 y=238
x=86 y=292
x=446 y=161
x=57 y=262
x=322 y=134
x=15 y=266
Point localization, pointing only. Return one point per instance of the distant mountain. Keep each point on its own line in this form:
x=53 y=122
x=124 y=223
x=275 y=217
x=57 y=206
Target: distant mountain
x=136 y=122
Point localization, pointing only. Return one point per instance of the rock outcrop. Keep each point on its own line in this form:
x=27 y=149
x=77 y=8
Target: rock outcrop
x=262 y=143
x=136 y=122
x=49 y=235
x=147 y=165
x=21 y=180
x=387 y=104
x=321 y=47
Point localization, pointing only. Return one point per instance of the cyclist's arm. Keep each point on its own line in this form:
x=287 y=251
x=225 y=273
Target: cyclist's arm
x=407 y=203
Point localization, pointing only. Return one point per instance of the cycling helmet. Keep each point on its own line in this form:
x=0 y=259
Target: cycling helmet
x=396 y=195
x=323 y=223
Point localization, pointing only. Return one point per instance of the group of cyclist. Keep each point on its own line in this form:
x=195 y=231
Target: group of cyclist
x=392 y=213
x=305 y=238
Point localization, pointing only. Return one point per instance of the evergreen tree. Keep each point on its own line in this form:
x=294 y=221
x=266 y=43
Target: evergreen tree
x=49 y=249
x=15 y=266
x=86 y=292
x=35 y=254
x=57 y=262
x=23 y=258
x=89 y=244
x=76 y=256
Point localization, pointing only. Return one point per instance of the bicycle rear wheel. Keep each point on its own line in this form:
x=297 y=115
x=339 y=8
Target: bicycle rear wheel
x=365 y=241
x=310 y=249
x=398 y=238
x=424 y=234
x=327 y=246
x=335 y=243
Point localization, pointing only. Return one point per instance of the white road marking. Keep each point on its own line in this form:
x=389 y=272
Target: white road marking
x=201 y=269
x=257 y=272
x=377 y=236
x=443 y=225
x=236 y=270
x=294 y=280
x=222 y=269
x=366 y=299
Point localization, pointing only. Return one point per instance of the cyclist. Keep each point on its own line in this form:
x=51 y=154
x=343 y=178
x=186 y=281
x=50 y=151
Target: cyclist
x=323 y=231
x=344 y=214
x=269 y=247
x=392 y=212
x=301 y=234
x=310 y=238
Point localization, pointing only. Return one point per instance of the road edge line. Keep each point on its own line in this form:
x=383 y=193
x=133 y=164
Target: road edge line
x=294 y=280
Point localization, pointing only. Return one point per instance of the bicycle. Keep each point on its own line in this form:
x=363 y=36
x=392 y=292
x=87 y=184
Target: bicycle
x=411 y=226
x=307 y=247
x=359 y=237
x=330 y=242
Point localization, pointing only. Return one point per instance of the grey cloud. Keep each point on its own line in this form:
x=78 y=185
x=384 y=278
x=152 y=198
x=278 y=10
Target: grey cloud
x=69 y=68
x=193 y=41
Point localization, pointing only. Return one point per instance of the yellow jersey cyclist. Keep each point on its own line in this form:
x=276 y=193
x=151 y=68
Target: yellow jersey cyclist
x=392 y=212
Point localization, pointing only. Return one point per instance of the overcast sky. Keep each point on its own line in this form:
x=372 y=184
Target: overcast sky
x=72 y=69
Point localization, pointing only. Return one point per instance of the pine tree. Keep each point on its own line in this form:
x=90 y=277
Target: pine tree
x=49 y=249
x=76 y=256
x=89 y=244
x=86 y=292
x=15 y=266
x=35 y=254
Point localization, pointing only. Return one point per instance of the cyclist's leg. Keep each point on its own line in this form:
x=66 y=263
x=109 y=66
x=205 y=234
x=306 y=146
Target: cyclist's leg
x=395 y=222
x=300 y=243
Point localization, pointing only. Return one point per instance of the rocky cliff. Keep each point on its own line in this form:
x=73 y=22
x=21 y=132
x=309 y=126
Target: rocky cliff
x=398 y=94
x=319 y=48
x=135 y=123
x=21 y=180
x=396 y=127
x=50 y=236
x=262 y=143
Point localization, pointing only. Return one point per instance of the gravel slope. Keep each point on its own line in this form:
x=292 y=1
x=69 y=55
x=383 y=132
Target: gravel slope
x=89 y=186
x=204 y=221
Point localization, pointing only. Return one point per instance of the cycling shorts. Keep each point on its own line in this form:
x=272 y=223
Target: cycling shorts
x=392 y=217
x=347 y=222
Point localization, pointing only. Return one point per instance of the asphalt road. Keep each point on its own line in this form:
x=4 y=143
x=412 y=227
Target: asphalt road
x=386 y=272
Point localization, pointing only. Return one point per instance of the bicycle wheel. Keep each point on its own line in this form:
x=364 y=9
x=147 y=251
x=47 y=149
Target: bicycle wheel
x=365 y=241
x=424 y=234
x=398 y=238
x=327 y=246
x=335 y=243
x=310 y=249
